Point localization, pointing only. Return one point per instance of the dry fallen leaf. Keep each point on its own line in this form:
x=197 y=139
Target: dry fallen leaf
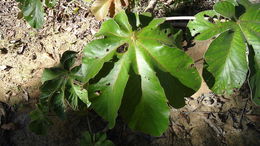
x=8 y=126
x=100 y=8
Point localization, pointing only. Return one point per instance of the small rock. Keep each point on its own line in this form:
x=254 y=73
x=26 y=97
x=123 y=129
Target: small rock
x=22 y=49
x=5 y=67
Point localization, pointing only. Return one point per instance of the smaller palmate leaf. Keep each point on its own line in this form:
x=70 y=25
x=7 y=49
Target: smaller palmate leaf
x=101 y=8
x=33 y=12
x=60 y=87
x=226 y=59
x=139 y=51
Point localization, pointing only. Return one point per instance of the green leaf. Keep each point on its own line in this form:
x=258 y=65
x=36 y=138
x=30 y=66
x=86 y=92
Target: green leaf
x=226 y=63
x=107 y=91
x=50 y=3
x=51 y=73
x=33 y=12
x=86 y=140
x=204 y=26
x=57 y=103
x=77 y=93
x=245 y=3
x=39 y=121
x=51 y=86
x=138 y=52
x=225 y=8
x=68 y=59
x=250 y=26
x=59 y=87
x=98 y=139
x=234 y=2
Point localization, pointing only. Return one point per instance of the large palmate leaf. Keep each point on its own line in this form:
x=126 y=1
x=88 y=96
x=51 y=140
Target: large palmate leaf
x=144 y=71
x=237 y=25
x=33 y=12
x=101 y=8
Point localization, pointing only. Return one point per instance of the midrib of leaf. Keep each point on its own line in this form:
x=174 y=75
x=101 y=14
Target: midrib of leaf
x=146 y=50
x=118 y=35
x=227 y=57
x=155 y=39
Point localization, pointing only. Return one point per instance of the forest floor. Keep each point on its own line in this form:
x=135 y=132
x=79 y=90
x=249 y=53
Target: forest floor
x=207 y=119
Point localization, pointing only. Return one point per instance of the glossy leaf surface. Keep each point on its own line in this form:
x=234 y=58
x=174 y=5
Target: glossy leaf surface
x=226 y=64
x=138 y=52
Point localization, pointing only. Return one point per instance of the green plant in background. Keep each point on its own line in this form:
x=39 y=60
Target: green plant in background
x=227 y=61
x=98 y=139
x=146 y=72
x=32 y=11
x=40 y=121
x=60 y=90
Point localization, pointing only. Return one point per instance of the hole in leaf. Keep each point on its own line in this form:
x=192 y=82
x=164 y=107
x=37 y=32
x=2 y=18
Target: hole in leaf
x=97 y=92
x=108 y=84
x=122 y=48
x=211 y=20
x=107 y=50
x=205 y=15
x=169 y=35
x=221 y=17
